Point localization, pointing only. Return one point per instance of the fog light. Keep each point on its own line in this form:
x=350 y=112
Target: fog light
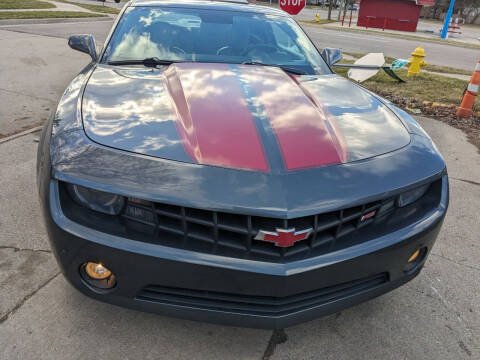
x=97 y=271
x=98 y=276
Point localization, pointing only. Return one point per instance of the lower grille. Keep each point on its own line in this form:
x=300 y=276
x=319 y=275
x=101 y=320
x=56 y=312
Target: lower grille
x=258 y=305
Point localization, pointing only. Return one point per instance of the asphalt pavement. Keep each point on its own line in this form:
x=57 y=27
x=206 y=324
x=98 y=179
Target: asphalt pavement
x=436 y=316
x=437 y=54
x=35 y=70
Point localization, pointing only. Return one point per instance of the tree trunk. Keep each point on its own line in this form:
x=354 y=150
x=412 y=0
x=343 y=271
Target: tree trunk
x=475 y=17
x=330 y=4
x=346 y=8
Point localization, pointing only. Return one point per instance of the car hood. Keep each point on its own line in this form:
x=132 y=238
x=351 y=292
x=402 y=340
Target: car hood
x=238 y=116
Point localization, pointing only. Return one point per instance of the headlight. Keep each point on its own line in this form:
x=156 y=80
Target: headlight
x=411 y=196
x=96 y=200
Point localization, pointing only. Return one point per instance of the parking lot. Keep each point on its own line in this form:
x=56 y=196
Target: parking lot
x=436 y=316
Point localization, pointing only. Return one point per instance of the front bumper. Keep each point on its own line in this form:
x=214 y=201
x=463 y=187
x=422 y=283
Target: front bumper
x=239 y=292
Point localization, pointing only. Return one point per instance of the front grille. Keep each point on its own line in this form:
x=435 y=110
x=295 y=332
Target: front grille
x=258 y=305
x=233 y=235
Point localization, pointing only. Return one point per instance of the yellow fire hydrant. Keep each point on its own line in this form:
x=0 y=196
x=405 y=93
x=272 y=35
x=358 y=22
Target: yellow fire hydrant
x=416 y=61
x=317 y=17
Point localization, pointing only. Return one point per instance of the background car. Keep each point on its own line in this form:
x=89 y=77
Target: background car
x=353 y=7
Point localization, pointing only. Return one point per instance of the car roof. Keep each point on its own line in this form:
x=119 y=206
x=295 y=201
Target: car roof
x=233 y=5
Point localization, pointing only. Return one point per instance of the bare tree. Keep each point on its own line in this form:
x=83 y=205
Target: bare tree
x=347 y=4
x=330 y=4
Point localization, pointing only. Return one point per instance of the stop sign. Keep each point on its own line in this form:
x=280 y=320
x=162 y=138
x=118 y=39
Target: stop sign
x=293 y=7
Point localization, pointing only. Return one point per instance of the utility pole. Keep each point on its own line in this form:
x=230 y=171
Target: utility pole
x=448 y=17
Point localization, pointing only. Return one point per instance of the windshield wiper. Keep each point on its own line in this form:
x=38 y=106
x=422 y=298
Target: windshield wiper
x=154 y=62
x=284 y=68
x=148 y=62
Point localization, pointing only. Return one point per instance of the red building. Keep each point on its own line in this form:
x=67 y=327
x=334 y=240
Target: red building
x=391 y=14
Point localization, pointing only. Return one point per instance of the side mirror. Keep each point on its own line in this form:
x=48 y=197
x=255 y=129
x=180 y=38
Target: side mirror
x=332 y=55
x=85 y=44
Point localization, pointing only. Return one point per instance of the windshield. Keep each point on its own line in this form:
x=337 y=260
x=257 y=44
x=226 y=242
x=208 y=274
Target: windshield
x=205 y=35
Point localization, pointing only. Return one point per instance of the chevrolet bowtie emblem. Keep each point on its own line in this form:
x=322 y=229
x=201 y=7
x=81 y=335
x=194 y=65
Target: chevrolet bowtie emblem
x=283 y=237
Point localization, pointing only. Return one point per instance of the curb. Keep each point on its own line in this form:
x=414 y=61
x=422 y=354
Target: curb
x=53 y=21
x=20 y=134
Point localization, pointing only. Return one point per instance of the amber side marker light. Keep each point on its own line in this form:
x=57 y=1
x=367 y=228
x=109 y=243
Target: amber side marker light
x=414 y=256
x=97 y=275
x=415 y=259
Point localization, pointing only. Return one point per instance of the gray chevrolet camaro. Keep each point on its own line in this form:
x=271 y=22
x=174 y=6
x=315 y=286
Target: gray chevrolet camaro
x=208 y=164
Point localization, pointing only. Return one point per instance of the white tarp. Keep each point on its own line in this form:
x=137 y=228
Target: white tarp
x=360 y=75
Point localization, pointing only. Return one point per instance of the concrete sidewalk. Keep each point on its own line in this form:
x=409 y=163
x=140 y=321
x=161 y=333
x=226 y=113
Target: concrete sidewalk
x=59 y=6
x=436 y=316
x=31 y=82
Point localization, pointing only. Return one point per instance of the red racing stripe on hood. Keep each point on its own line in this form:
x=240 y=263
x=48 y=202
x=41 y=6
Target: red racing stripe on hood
x=213 y=119
x=306 y=132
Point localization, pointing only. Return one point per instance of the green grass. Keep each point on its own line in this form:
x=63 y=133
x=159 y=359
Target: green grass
x=45 y=14
x=448 y=69
x=320 y=22
x=95 y=8
x=434 y=68
x=25 y=4
x=423 y=87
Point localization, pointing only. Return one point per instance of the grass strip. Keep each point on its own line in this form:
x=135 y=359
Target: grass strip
x=95 y=8
x=423 y=87
x=25 y=4
x=320 y=22
x=46 y=14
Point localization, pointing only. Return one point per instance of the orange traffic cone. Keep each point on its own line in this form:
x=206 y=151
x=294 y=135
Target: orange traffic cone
x=465 y=108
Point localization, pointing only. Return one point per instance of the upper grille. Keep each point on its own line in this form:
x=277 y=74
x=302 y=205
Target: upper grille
x=233 y=235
